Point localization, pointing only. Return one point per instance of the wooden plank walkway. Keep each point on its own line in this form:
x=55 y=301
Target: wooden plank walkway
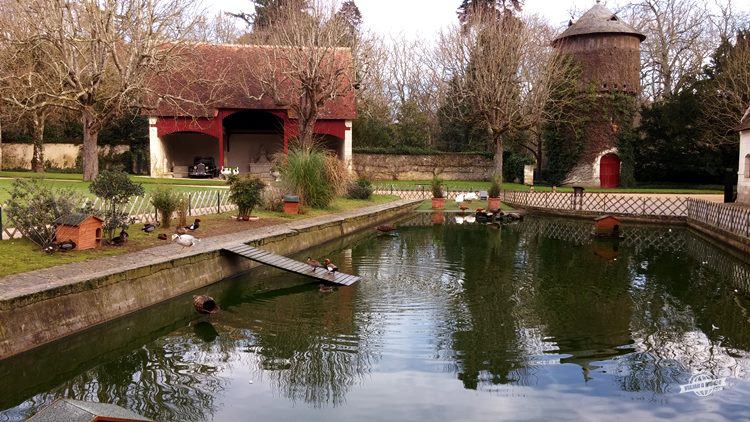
x=288 y=264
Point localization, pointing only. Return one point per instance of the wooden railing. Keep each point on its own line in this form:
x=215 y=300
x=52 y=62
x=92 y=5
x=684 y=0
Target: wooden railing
x=730 y=218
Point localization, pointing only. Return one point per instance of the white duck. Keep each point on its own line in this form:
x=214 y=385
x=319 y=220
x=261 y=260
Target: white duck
x=236 y=171
x=185 y=240
x=226 y=171
x=471 y=196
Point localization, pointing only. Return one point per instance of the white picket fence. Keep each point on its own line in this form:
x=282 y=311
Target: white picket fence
x=140 y=209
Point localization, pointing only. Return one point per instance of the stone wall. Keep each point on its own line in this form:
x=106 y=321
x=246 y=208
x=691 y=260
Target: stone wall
x=421 y=167
x=61 y=156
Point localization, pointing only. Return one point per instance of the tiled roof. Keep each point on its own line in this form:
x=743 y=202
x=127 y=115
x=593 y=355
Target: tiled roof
x=599 y=20
x=229 y=76
x=74 y=219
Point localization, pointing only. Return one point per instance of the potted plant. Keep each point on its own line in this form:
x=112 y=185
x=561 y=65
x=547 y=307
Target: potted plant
x=246 y=193
x=438 y=197
x=493 y=194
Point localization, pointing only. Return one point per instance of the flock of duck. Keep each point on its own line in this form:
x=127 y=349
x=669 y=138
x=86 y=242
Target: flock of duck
x=484 y=216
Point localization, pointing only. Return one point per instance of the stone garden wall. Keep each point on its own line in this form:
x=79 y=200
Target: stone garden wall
x=61 y=156
x=421 y=167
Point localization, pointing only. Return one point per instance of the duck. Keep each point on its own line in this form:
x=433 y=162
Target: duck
x=385 y=228
x=471 y=196
x=121 y=238
x=315 y=264
x=236 y=171
x=67 y=245
x=459 y=219
x=324 y=288
x=330 y=266
x=195 y=225
x=204 y=304
x=185 y=240
x=162 y=236
x=463 y=208
x=148 y=227
x=460 y=198
x=226 y=171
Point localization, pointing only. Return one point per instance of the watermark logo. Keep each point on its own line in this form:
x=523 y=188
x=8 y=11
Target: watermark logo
x=703 y=385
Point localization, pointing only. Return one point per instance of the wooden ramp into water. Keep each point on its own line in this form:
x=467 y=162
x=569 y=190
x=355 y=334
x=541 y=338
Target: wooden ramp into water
x=288 y=264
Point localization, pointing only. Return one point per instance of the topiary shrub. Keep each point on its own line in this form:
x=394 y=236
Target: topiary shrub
x=246 y=192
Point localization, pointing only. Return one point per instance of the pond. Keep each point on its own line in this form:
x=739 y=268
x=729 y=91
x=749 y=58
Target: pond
x=461 y=322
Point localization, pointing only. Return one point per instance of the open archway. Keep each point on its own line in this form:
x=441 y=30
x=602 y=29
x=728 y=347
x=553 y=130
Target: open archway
x=252 y=137
x=181 y=149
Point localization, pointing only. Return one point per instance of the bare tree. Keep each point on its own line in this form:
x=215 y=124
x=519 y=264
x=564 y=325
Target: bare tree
x=495 y=67
x=305 y=66
x=680 y=37
x=219 y=29
x=98 y=55
x=728 y=90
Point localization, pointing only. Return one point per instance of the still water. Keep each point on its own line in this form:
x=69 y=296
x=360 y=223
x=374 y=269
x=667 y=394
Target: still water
x=531 y=321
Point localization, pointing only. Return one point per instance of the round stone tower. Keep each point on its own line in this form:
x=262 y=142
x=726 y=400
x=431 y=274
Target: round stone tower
x=608 y=53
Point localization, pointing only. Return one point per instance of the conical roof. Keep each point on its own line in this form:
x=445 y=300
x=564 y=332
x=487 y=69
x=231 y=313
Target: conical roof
x=598 y=20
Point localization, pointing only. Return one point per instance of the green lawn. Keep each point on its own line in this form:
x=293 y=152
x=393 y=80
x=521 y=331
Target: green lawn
x=75 y=183
x=21 y=255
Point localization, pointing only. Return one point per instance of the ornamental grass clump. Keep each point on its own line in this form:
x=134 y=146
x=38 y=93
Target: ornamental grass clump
x=316 y=176
x=494 y=190
x=437 y=187
x=166 y=202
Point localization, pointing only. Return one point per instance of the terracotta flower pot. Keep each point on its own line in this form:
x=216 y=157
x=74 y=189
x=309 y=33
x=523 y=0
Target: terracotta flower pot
x=438 y=218
x=291 y=207
x=493 y=203
x=438 y=203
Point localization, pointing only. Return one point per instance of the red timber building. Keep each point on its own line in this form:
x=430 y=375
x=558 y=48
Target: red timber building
x=232 y=103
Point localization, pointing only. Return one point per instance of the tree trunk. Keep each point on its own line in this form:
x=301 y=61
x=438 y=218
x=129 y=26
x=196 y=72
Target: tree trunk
x=499 y=157
x=90 y=153
x=37 y=157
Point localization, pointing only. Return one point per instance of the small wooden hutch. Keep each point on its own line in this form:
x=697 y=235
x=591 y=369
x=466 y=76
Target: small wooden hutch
x=83 y=229
x=607 y=226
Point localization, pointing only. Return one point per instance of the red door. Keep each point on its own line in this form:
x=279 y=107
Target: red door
x=609 y=171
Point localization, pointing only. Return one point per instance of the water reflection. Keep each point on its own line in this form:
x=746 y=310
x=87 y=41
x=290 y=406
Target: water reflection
x=535 y=307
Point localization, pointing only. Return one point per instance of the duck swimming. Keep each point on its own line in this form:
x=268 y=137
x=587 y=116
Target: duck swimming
x=324 y=288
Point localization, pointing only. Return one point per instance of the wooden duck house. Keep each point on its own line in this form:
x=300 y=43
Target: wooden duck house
x=606 y=226
x=83 y=229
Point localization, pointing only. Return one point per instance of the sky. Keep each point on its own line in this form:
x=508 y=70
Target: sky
x=425 y=17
